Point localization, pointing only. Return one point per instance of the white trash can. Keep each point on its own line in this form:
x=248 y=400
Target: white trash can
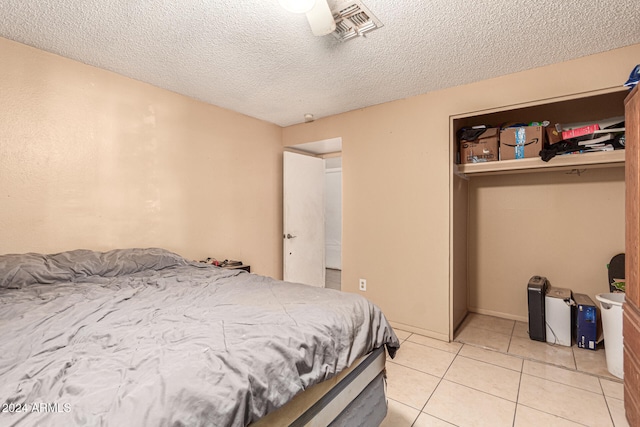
x=611 y=309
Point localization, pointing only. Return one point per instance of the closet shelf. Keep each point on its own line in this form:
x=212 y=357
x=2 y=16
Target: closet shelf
x=566 y=162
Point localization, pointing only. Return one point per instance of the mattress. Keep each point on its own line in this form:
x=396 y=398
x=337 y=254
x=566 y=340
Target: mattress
x=354 y=397
x=145 y=337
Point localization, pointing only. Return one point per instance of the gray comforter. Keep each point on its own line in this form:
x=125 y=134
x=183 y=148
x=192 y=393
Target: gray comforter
x=145 y=338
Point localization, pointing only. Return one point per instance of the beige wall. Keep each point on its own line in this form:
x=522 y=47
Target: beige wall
x=395 y=218
x=91 y=159
x=397 y=180
x=562 y=226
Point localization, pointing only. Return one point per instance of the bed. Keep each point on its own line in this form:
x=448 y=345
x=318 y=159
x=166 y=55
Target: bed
x=145 y=337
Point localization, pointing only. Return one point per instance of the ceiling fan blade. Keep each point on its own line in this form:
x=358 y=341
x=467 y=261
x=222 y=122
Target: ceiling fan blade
x=321 y=19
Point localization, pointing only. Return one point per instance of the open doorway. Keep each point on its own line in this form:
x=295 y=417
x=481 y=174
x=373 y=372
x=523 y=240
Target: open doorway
x=333 y=222
x=330 y=151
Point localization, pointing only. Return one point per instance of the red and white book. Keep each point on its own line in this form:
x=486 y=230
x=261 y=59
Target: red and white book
x=581 y=131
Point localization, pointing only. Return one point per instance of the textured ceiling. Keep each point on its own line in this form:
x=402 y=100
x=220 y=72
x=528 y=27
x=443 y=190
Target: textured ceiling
x=254 y=57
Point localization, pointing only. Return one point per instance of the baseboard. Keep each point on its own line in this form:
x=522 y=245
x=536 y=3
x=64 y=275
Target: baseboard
x=420 y=331
x=501 y=315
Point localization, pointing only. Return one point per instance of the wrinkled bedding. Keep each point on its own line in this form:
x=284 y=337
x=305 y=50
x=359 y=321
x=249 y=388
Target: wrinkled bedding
x=143 y=337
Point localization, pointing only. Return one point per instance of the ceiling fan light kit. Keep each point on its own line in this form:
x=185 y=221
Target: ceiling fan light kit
x=321 y=19
x=318 y=14
x=297 y=6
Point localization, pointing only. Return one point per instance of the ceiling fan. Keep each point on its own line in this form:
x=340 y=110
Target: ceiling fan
x=318 y=14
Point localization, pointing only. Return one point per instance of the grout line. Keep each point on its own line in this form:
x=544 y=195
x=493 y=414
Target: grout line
x=483 y=391
x=438 y=385
x=565 y=384
x=531 y=359
x=413 y=369
x=404 y=404
x=523 y=359
x=510 y=338
x=433 y=416
x=602 y=388
x=477 y=389
x=495 y=364
x=606 y=402
x=435 y=348
x=461 y=329
x=515 y=413
x=554 y=415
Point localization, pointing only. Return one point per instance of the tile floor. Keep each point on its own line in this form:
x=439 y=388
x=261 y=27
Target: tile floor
x=494 y=375
x=333 y=279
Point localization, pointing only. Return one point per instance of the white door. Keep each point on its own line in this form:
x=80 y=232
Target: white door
x=303 y=228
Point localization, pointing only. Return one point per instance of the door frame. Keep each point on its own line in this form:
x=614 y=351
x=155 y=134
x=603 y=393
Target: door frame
x=325 y=148
x=303 y=194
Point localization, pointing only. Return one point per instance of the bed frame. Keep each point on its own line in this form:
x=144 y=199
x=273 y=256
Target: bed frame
x=354 y=397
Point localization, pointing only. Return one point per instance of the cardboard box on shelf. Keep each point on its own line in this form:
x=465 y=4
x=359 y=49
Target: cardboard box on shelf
x=521 y=142
x=483 y=148
x=553 y=135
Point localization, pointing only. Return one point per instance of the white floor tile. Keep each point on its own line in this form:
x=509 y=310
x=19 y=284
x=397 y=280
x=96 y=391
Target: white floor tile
x=613 y=389
x=492 y=379
x=491 y=365
x=593 y=362
x=483 y=338
x=521 y=329
x=425 y=359
x=409 y=386
x=402 y=335
x=564 y=401
x=451 y=347
x=491 y=356
x=491 y=323
x=463 y=406
x=616 y=408
x=529 y=417
x=553 y=354
x=426 y=420
x=399 y=415
x=561 y=375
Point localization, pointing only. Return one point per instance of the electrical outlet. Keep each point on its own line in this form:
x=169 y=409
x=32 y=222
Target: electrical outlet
x=363 y=284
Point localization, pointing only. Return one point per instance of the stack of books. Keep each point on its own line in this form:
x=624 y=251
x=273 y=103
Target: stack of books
x=604 y=135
